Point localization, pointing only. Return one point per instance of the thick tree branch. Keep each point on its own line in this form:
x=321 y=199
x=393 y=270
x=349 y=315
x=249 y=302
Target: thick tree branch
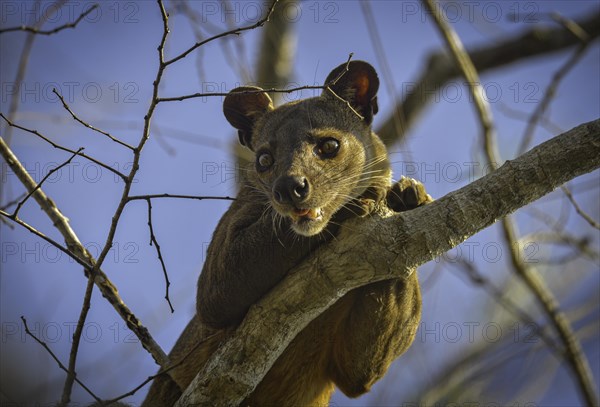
x=383 y=247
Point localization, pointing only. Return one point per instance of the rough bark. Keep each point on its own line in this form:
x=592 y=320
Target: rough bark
x=381 y=247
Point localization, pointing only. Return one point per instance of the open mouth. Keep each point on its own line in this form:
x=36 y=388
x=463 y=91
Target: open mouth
x=306 y=214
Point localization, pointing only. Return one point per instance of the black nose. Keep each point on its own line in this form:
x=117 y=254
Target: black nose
x=291 y=189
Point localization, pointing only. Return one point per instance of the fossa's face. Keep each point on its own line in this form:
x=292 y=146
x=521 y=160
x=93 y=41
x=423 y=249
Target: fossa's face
x=309 y=163
x=316 y=155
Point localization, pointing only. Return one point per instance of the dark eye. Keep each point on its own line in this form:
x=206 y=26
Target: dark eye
x=264 y=161
x=328 y=147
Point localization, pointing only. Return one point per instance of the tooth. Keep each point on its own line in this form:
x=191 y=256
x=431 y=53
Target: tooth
x=315 y=213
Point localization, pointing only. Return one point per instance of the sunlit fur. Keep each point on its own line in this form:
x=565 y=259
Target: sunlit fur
x=291 y=133
x=257 y=242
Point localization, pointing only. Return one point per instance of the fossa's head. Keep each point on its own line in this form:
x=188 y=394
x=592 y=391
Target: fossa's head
x=315 y=155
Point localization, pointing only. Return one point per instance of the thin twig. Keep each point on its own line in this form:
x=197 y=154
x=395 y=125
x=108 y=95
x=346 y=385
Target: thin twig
x=8 y=205
x=541 y=108
x=479 y=279
x=269 y=90
x=520 y=115
x=534 y=282
x=13 y=202
x=35 y=30
x=335 y=80
x=71 y=375
x=578 y=209
x=176 y=196
x=582 y=245
x=236 y=31
x=41 y=235
x=222 y=94
x=556 y=224
x=89 y=126
x=160 y=257
x=59 y=147
x=39 y=185
x=45 y=346
x=581 y=187
x=162 y=371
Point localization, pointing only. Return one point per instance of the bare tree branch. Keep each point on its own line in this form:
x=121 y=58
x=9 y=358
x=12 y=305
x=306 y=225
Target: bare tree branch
x=45 y=346
x=59 y=147
x=36 y=30
x=13 y=202
x=235 y=31
x=467 y=70
x=176 y=196
x=516 y=114
x=480 y=280
x=458 y=378
x=39 y=185
x=549 y=95
x=222 y=94
x=173 y=365
x=374 y=249
x=580 y=244
x=269 y=90
x=71 y=375
x=42 y=236
x=578 y=209
x=89 y=126
x=160 y=257
x=440 y=69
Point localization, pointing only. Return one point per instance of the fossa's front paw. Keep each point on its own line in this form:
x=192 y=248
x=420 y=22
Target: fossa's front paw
x=363 y=205
x=407 y=194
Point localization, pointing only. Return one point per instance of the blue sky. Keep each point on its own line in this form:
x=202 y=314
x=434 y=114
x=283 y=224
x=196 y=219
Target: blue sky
x=105 y=68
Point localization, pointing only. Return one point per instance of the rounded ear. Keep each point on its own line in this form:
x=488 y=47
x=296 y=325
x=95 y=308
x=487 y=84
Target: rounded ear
x=243 y=106
x=357 y=83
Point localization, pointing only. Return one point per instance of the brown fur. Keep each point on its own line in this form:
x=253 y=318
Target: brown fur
x=266 y=232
